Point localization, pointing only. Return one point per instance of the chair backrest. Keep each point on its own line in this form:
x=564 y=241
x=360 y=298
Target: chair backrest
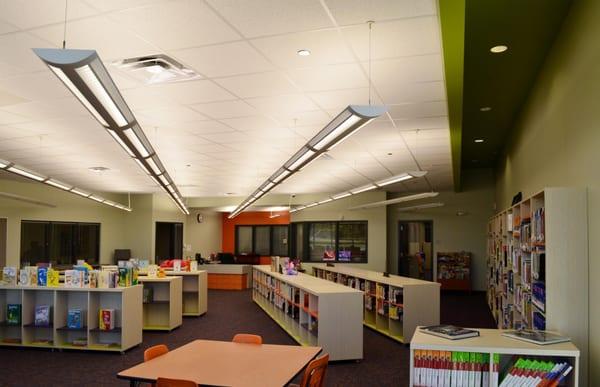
x=166 y=382
x=314 y=375
x=156 y=351
x=247 y=338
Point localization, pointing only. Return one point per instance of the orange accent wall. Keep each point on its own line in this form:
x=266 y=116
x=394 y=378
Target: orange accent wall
x=247 y=219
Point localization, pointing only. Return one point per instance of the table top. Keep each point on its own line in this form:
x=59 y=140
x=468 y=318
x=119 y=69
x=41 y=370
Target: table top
x=491 y=340
x=223 y=363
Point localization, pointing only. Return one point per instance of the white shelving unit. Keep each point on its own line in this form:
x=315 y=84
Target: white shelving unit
x=313 y=311
x=393 y=305
x=127 y=303
x=163 y=312
x=538 y=265
x=491 y=342
x=195 y=293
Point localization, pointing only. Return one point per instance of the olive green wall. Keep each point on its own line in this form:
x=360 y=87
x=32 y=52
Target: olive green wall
x=556 y=139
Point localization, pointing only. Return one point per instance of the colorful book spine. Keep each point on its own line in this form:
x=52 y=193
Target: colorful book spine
x=106 y=319
x=450 y=369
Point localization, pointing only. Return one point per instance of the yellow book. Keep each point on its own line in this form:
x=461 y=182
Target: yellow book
x=52 y=278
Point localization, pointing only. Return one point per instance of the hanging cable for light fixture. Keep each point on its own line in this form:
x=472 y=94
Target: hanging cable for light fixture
x=370 y=23
x=64 y=45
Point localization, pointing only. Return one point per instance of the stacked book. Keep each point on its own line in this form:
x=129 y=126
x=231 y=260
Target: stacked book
x=454 y=369
x=530 y=372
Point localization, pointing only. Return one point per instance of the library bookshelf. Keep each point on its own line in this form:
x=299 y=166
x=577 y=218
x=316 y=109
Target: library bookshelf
x=393 y=305
x=162 y=302
x=194 y=293
x=126 y=302
x=312 y=311
x=538 y=265
x=501 y=350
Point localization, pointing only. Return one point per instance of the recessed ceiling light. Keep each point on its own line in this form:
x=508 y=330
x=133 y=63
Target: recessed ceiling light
x=479 y=140
x=98 y=169
x=485 y=109
x=498 y=49
x=303 y=52
x=389 y=153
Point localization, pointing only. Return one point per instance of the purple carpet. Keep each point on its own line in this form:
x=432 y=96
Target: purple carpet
x=385 y=362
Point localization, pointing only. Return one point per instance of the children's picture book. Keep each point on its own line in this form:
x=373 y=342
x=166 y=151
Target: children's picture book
x=536 y=337
x=69 y=278
x=42 y=316
x=23 y=277
x=106 y=320
x=75 y=319
x=9 y=275
x=450 y=332
x=152 y=271
x=53 y=277
x=93 y=275
x=13 y=314
x=123 y=274
x=177 y=265
x=32 y=271
x=193 y=266
x=42 y=276
x=77 y=279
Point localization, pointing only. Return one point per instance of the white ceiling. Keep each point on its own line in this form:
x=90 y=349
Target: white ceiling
x=256 y=103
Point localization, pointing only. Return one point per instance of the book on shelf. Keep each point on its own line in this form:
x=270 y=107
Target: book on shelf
x=534 y=372
x=446 y=368
x=106 y=319
x=53 y=277
x=42 y=276
x=13 y=314
x=9 y=275
x=450 y=332
x=75 y=318
x=42 y=315
x=536 y=337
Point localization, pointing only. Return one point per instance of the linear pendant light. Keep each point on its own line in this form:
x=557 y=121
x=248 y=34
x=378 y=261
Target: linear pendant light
x=83 y=73
x=369 y=187
x=401 y=199
x=341 y=127
x=420 y=207
x=24 y=172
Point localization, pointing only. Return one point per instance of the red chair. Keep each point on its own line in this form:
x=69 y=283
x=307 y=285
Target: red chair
x=247 y=338
x=314 y=374
x=156 y=351
x=165 y=382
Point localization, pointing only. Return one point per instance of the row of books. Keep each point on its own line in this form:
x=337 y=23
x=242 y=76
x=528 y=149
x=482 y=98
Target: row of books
x=75 y=317
x=454 y=369
x=531 y=372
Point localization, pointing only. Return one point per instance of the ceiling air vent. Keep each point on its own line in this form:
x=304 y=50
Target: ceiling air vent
x=158 y=68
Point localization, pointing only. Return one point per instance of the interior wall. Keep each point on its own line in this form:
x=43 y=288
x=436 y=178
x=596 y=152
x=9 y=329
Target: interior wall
x=206 y=237
x=451 y=232
x=246 y=218
x=138 y=227
x=2 y=242
x=338 y=210
x=68 y=207
x=556 y=139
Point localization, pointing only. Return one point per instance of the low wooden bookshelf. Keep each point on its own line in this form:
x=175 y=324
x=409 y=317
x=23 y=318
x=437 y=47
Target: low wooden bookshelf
x=126 y=302
x=195 y=293
x=393 y=305
x=505 y=349
x=312 y=311
x=162 y=303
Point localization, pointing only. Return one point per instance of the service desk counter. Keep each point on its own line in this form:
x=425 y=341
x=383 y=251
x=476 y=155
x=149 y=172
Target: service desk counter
x=229 y=277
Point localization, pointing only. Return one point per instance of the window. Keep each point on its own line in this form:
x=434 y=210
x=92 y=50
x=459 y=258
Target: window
x=60 y=243
x=343 y=241
x=262 y=240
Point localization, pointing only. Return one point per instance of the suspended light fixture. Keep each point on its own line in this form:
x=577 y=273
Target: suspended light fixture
x=397 y=200
x=420 y=207
x=372 y=186
x=24 y=172
x=85 y=76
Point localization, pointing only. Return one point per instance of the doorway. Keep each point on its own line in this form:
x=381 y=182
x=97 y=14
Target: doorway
x=415 y=249
x=3 y=240
x=168 y=241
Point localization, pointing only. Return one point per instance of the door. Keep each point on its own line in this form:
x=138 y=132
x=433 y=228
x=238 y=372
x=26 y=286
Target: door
x=415 y=249
x=168 y=241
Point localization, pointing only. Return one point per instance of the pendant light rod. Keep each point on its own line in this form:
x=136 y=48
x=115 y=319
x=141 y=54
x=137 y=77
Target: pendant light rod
x=64 y=44
x=370 y=23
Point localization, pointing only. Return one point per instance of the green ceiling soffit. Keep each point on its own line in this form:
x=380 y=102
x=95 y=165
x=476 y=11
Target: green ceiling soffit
x=452 y=20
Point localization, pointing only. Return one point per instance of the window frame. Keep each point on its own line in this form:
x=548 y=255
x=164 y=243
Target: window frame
x=271 y=234
x=306 y=240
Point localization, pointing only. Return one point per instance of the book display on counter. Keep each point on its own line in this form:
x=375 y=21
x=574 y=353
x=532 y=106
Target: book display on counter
x=314 y=312
x=393 y=305
x=491 y=360
x=535 y=249
x=71 y=317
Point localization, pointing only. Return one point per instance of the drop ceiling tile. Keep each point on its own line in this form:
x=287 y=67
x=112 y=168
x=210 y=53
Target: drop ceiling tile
x=359 y=11
x=228 y=137
x=251 y=123
x=411 y=69
x=110 y=39
x=224 y=59
x=117 y=5
x=169 y=115
x=339 y=99
x=11 y=118
x=401 y=38
x=185 y=23
x=396 y=93
x=35 y=87
x=418 y=110
x=193 y=92
x=422 y=123
x=29 y=14
x=201 y=127
x=325 y=46
x=6 y=27
x=17 y=57
x=284 y=107
x=258 y=85
x=49 y=109
x=226 y=109
x=342 y=76
x=271 y=17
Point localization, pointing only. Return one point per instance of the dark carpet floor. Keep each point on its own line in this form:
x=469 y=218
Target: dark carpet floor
x=385 y=362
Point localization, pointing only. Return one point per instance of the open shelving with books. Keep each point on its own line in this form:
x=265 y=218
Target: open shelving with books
x=313 y=311
x=33 y=316
x=537 y=264
x=394 y=305
x=486 y=359
x=162 y=302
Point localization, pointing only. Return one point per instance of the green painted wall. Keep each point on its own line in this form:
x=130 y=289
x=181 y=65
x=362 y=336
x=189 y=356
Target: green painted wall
x=556 y=139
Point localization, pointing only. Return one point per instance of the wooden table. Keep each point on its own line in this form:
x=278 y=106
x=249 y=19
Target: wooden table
x=223 y=363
